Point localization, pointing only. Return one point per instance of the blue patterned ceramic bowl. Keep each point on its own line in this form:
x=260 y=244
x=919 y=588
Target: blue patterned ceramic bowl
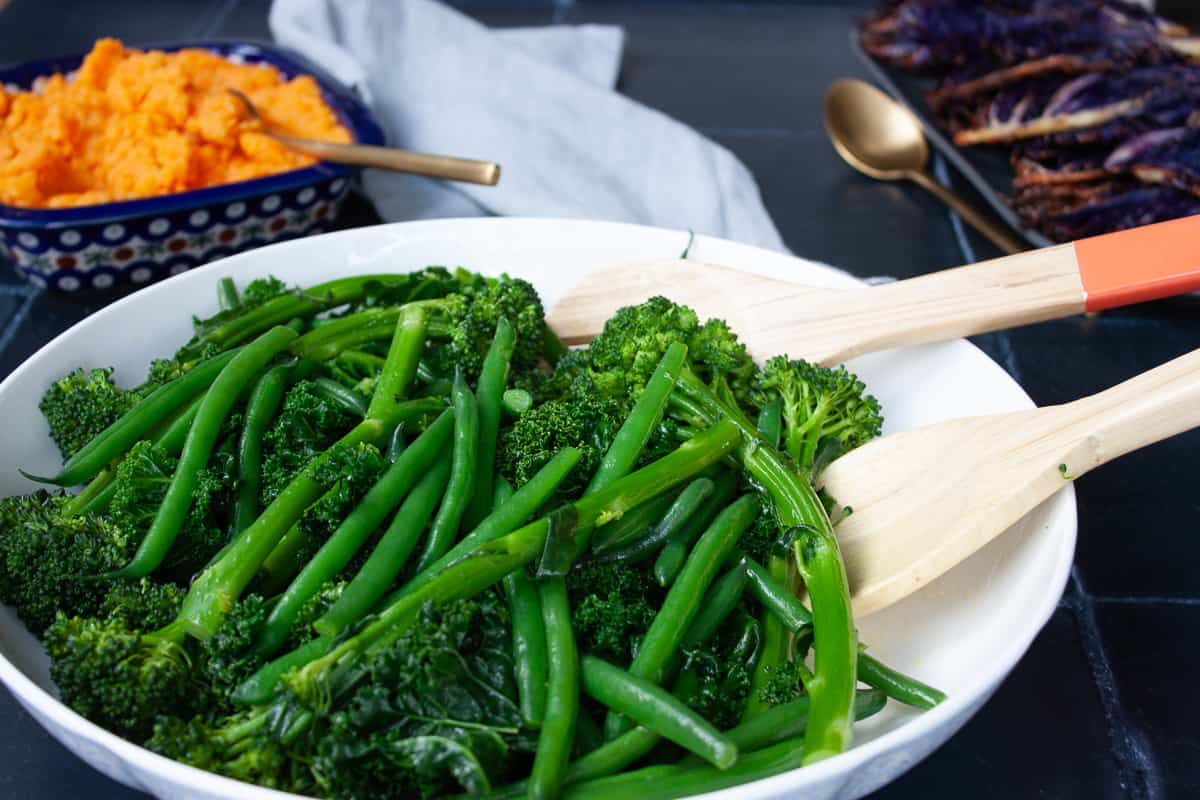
x=137 y=241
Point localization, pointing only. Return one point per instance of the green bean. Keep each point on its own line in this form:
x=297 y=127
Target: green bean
x=633 y=526
x=896 y=684
x=285 y=307
x=174 y=435
x=786 y=721
x=462 y=476
x=718 y=603
x=529 y=646
x=679 y=541
x=350 y=536
x=775 y=596
x=633 y=434
x=508 y=516
x=493 y=376
x=492 y=553
x=553 y=348
x=338 y=395
x=134 y=424
x=725 y=487
x=679 y=607
x=208 y=600
x=777 y=636
x=562 y=693
x=210 y=416
x=401 y=363
x=689 y=503
x=834 y=640
x=395 y=546
x=396 y=444
x=655 y=709
x=502 y=493
x=425 y=373
x=369 y=365
x=770 y=423
x=515 y=402
x=227 y=294
x=260 y=411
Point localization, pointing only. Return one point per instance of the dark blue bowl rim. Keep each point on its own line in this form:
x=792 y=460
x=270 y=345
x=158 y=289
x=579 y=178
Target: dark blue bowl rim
x=353 y=113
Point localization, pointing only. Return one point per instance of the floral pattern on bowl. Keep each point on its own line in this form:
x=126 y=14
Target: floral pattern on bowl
x=138 y=241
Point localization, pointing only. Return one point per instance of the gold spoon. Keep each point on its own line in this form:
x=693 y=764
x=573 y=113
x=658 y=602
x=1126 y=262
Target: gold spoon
x=393 y=158
x=881 y=138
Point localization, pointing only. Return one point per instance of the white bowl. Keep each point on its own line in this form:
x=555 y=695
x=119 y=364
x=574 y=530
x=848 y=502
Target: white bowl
x=962 y=633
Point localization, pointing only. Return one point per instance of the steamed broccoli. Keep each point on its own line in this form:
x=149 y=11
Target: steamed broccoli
x=588 y=424
x=612 y=606
x=465 y=322
x=80 y=405
x=43 y=554
x=823 y=407
x=623 y=356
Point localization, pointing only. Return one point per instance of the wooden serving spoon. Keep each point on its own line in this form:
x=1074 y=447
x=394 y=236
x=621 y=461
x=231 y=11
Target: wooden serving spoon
x=923 y=500
x=830 y=325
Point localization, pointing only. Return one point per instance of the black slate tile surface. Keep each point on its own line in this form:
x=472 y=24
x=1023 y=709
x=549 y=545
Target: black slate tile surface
x=1103 y=704
x=1151 y=646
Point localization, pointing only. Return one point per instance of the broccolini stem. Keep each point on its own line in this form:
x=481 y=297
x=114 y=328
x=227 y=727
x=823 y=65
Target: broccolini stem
x=227 y=294
x=279 y=310
x=777 y=637
x=691 y=503
x=489 y=390
x=401 y=363
x=218 y=401
x=834 y=640
x=218 y=587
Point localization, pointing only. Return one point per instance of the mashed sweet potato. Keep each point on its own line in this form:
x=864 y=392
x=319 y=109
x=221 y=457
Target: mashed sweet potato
x=135 y=124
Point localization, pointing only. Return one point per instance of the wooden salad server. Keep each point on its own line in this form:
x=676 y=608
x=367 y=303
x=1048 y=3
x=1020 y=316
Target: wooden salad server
x=831 y=325
x=925 y=499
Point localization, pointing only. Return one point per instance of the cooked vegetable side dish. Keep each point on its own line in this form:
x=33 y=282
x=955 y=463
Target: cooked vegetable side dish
x=130 y=124
x=386 y=536
x=1096 y=100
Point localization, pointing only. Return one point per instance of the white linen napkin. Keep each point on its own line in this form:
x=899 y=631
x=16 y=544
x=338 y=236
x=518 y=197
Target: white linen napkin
x=540 y=102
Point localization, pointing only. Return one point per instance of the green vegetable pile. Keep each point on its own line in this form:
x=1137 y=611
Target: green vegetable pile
x=386 y=536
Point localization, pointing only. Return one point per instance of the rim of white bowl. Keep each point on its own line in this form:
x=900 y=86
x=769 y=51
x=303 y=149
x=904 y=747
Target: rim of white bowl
x=919 y=725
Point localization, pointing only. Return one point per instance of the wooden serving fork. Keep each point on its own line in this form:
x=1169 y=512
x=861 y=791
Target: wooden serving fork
x=925 y=499
x=831 y=325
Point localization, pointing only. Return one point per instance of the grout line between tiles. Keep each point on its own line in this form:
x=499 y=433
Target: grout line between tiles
x=1135 y=763
x=942 y=173
x=9 y=331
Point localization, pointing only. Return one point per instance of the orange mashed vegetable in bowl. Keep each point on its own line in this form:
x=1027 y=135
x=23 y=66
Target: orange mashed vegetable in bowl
x=131 y=124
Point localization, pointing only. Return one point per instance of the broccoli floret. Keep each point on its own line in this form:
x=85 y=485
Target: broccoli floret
x=823 y=407
x=612 y=606
x=226 y=747
x=140 y=485
x=227 y=657
x=117 y=677
x=760 y=539
x=80 y=405
x=722 y=686
x=783 y=684
x=142 y=604
x=43 y=553
x=467 y=321
x=261 y=290
x=306 y=425
x=588 y=424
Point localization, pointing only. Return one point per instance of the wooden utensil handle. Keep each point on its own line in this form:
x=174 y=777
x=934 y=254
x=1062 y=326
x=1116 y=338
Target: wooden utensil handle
x=1143 y=410
x=1101 y=272
x=362 y=155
